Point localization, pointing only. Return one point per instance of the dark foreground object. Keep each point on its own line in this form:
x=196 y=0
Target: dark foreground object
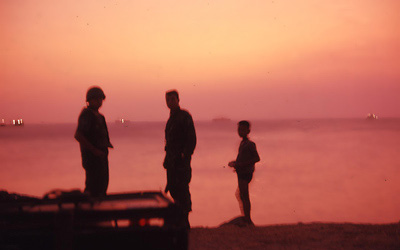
x=145 y=220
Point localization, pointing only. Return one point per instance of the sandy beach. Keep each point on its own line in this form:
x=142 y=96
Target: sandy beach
x=298 y=236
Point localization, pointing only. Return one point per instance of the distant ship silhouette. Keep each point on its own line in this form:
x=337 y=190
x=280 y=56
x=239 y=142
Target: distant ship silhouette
x=122 y=122
x=221 y=119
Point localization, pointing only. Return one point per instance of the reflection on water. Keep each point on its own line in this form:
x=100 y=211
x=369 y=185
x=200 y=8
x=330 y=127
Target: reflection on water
x=310 y=170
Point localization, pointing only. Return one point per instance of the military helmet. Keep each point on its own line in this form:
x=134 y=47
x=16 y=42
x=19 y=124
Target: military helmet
x=95 y=92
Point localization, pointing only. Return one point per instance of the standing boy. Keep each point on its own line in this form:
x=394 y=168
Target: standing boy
x=94 y=141
x=244 y=167
x=180 y=142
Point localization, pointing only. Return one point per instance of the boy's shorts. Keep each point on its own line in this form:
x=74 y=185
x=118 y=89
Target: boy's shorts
x=245 y=176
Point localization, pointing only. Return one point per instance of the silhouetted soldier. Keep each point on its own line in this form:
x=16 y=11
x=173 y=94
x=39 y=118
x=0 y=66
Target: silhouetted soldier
x=180 y=142
x=244 y=167
x=94 y=141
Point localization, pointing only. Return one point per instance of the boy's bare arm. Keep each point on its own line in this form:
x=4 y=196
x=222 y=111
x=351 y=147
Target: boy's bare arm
x=232 y=164
x=239 y=165
x=86 y=144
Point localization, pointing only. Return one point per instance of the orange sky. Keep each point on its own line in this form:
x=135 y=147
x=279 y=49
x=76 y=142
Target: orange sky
x=240 y=59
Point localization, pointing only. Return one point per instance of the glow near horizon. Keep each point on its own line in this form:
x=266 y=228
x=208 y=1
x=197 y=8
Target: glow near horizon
x=240 y=59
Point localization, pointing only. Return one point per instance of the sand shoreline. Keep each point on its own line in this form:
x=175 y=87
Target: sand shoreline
x=297 y=236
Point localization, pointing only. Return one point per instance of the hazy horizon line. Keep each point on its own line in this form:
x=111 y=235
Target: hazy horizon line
x=214 y=120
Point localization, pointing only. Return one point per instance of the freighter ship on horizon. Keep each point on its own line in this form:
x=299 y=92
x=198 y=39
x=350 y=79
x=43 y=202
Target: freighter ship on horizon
x=372 y=117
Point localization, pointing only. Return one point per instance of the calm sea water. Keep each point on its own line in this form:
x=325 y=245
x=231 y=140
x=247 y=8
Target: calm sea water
x=310 y=170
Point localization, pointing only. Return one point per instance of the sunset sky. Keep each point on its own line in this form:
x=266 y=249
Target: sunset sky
x=250 y=59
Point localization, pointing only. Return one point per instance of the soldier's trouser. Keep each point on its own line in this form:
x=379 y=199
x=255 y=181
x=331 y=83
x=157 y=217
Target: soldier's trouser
x=97 y=176
x=178 y=185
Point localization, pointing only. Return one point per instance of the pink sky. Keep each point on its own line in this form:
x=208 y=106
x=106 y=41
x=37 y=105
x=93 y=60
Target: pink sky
x=239 y=59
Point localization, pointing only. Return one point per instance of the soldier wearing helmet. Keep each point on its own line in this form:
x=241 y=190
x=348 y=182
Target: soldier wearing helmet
x=92 y=135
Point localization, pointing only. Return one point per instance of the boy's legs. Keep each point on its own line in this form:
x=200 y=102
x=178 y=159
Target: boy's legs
x=237 y=194
x=245 y=198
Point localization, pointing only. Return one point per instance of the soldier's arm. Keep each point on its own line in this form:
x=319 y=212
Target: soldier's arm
x=191 y=139
x=108 y=136
x=87 y=145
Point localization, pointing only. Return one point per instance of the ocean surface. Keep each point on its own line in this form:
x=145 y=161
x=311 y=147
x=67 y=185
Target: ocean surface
x=332 y=170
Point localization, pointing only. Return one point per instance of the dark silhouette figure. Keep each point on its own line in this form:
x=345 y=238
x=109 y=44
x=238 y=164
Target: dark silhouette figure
x=94 y=141
x=244 y=167
x=180 y=142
